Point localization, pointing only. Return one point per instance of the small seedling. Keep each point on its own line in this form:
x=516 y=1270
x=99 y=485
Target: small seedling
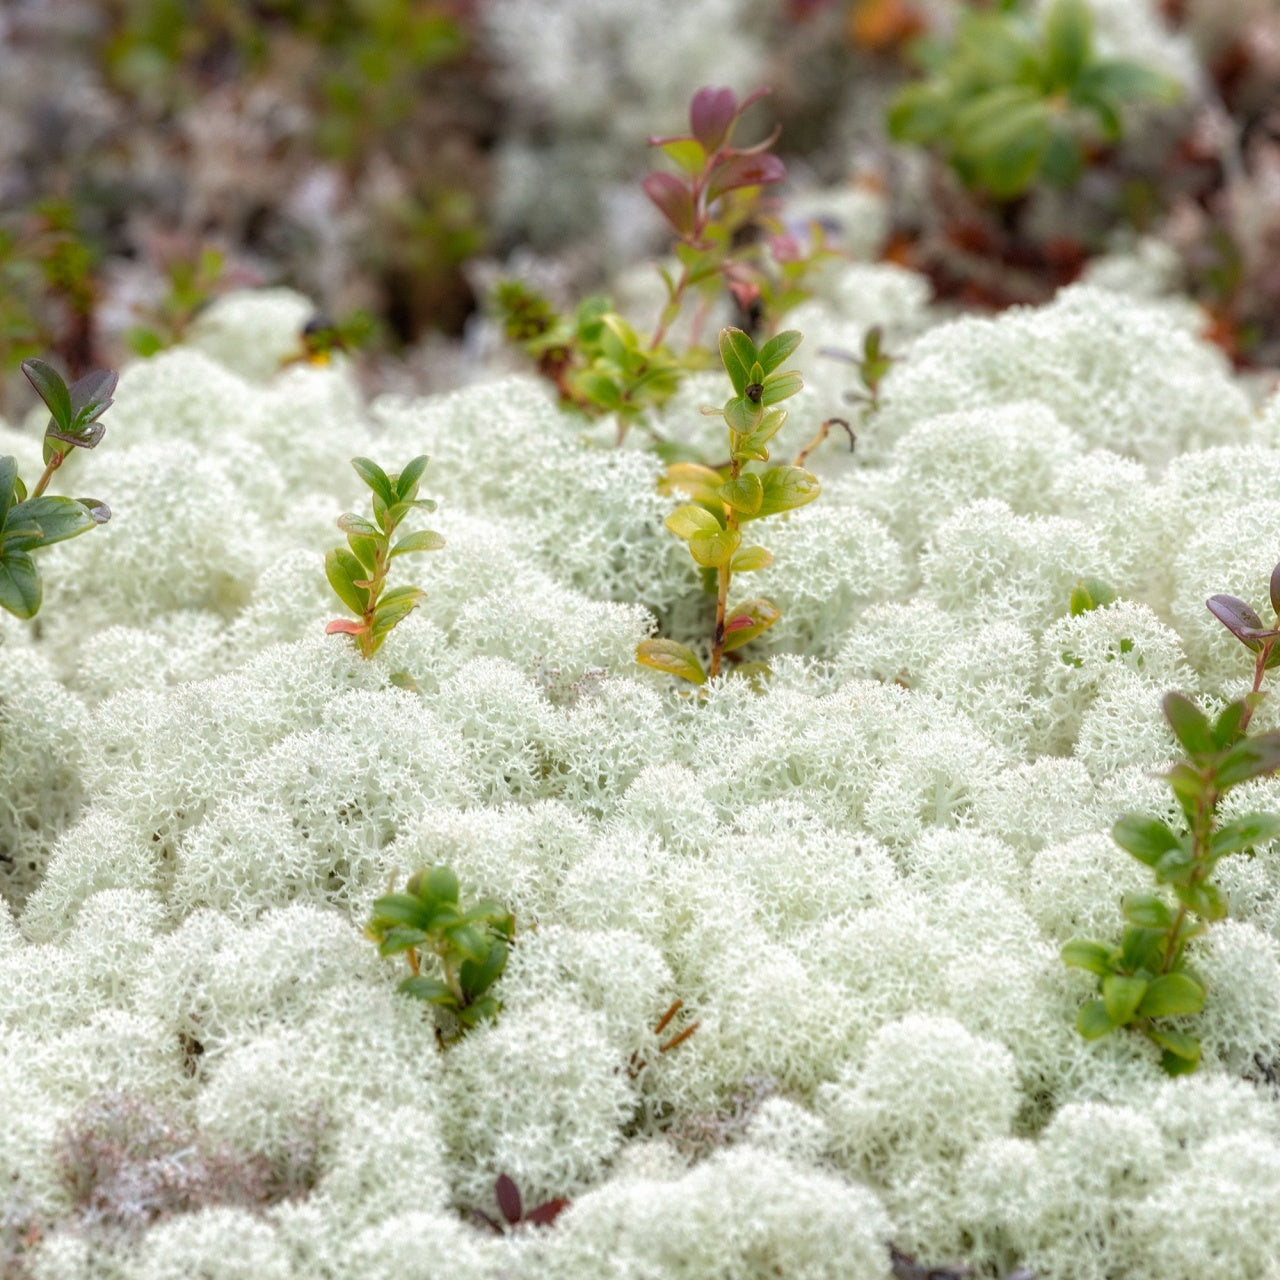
x=1146 y=978
x=511 y=1206
x=1014 y=100
x=358 y=572
x=28 y=522
x=471 y=946
x=724 y=500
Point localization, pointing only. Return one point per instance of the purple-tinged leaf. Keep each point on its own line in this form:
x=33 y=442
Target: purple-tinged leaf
x=1239 y=619
x=547 y=1212
x=737 y=171
x=673 y=199
x=1275 y=589
x=711 y=116
x=51 y=389
x=91 y=395
x=509 y=1201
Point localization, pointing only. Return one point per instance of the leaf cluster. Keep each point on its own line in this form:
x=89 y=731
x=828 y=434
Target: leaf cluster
x=1145 y=979
x=723 y=500
x=471 y=946
x=511 y=1206
x=28 y=522
x=358 y=571
x=1009 y=102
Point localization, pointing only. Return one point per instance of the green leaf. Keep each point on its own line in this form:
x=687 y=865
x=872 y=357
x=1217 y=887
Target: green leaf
x=777 y=351
x=786 y=488
x=1170 y=995
x=400 y=938
x=675 y=659
x=366 y=551
x=475 y=1013
x=1092 y=1020
x=1254 y=757
x=781 y=386
x=1068 y=41
x=90 y=398
x=406 y=482
x=1181 y=1051
x=377 y=479
x=743 y=415
x=19 y=584
x=1175 y=867
x=919 y=113
x=690 y=520
x=1141 y=948
x=1001 y=139
x=688 y=153
x=693 y=480
x=57 y=519
x=468 y=941
x=1189 y=726
x=1226 y=728
x=748 y=620
x=751 y=558
x=477 y=977
x=1096 y=957
x=51 y=389
x=1089 y=594
x=1205 y=899
x=753 y=446
x=394 y=607
x=423 y=540
x=434 y=884
x=343 y=570
x=1245 y=832
x=401 y=909
x=349 y=523
x=1147 y=911
x=738 y=353
x=432 y=990
x=1123 y=81
x=8 y=476
x=1121 y=996
x=1147 y=839
x=744 y=494
x=711 y=550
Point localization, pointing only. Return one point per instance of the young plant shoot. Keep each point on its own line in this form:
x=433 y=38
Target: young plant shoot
x=1145 y=979
x=358 y=571
x=31 y=521
x=725 y=500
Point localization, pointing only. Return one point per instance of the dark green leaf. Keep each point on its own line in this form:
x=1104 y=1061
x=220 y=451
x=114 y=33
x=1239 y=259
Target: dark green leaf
x=1205 y=899
x=400 y=938
x=366 y=551
x=1254 y=757
x=1068 y=33
x=1147 y=839
x=1226 y=728
x=1189 y=726
x=432 y=990
x=738 y=353
x=343 y=570
x=402 y=909
x=1141 y=948
x=477 y=977
x=468 y=941
x=58 y=518
x=51 y=389
x=1181 y=1051
x=1096 y=957
x=19 y=584
x=394 y=607
x=8 y=474
x=919 y=113
x=1092 y=1020
x=91 y=397
x=435 y=884
x=1244 y=833
x=98 y=511
x=1170 y=995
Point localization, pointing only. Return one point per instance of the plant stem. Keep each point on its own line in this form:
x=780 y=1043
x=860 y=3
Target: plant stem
x=724 y=575
x=43 y=483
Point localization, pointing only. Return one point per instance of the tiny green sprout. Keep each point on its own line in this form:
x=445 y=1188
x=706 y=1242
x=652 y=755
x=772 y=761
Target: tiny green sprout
x=1145 y=979
x=358 y=571
x=1089 y=594
x=471 y=946
x=1015 y=98
x=724 y=500
x=28 y=522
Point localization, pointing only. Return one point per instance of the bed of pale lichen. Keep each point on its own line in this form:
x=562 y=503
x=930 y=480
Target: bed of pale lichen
x=857 y=880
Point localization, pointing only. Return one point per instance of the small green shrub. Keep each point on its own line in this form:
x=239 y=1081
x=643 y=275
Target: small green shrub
x=358 y=572
x=1009 y=103
x=471 y=946
x=1146 y=979
x=725 y=499
x=31 y=521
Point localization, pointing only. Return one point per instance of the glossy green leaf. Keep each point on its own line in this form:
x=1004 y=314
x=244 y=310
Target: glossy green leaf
x=394 y=607
x=1171 y=995
x=691 y=520
x=746 y=621
x=675 y=659
x=348 y=522
x=753 y=446
x=1096 y=957
x=1121 y=996
x=1147 y=839
x=434 y=884
x=377 y=479
x=405 y=484
x=51 y=389
x=468 y=941
x=751 y=558
x=738 y=353
x=745 y=494
x=1245 y=832
x=366 y=551
x=343 y=570
x=58 y=518
x=781 y=386
x=91 y=396
x=1092 y=1020
x=423 y=540
x=786 y=488
x=1226 y=728
x=477 y=976
x=711 y=550
x=432 y=990
x=20 y=589
x=743 y=415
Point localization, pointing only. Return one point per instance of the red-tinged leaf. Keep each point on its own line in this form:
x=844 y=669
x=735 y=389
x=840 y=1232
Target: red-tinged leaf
x=1239 y=619
x=673 y=199
x=745 y=292
x=1275 y=590
x=545 y=1214
x=711 y=115
x=346 y=627
x=509 y=1201
x=737 y=171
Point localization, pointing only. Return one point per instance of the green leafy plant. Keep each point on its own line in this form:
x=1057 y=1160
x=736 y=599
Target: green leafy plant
x=192 y=280
x=1010 y=102
x=31 y=521
x=358 y=571
x=471 y=946
x=1146 y=979
x=723 y=500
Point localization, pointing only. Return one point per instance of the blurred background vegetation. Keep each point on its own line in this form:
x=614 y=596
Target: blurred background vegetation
x=385 y=157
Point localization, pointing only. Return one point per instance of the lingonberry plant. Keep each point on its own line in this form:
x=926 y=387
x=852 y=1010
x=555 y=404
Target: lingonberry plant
x=1146 y=979
x=31 y=521
x=725 y=240
x=724 y=500
x=471 y=946
x=358 y=572
x=511 y=1206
